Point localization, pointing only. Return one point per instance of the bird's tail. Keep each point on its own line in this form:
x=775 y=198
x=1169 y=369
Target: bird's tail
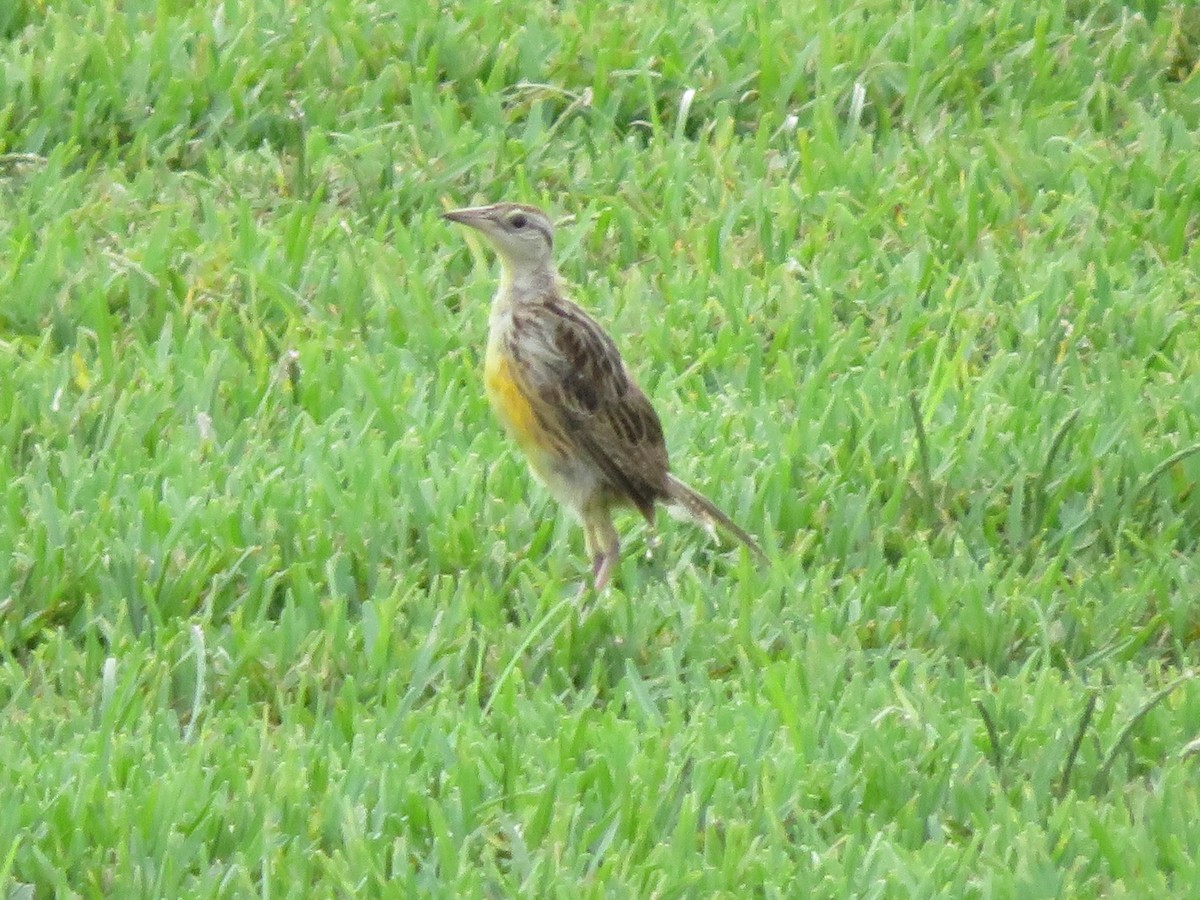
x=704 y=511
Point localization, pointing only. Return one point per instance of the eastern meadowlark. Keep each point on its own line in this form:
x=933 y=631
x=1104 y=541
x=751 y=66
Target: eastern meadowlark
x=562 y=392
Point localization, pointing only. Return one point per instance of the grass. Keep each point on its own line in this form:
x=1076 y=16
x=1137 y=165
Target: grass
x=914 y=287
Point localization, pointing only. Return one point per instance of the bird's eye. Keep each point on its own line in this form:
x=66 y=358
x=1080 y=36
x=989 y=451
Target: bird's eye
x=517 y=221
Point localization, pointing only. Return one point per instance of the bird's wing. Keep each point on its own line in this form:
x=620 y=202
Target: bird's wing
x=582 y=382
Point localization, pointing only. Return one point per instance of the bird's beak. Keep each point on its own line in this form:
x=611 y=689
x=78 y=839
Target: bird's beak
x=471 y=216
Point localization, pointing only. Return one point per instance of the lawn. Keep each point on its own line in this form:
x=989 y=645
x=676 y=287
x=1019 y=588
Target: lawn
x=915 y=288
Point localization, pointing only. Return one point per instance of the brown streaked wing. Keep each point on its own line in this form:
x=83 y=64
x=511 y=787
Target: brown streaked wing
x=601 y=409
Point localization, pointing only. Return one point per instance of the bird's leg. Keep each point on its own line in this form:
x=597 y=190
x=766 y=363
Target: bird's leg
x=602 y=567
x=592 y=544
x=589 y=543
x=608 y=550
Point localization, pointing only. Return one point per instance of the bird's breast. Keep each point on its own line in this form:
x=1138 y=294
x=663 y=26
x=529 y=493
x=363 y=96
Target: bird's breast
x=509 y=399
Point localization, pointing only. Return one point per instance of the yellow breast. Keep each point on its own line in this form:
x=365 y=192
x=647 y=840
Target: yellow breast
x=510 y=402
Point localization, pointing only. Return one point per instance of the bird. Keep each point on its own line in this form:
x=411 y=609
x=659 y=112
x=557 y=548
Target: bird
x=562 y=392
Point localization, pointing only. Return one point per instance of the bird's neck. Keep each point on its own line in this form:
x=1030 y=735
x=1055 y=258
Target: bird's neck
x=519 y=282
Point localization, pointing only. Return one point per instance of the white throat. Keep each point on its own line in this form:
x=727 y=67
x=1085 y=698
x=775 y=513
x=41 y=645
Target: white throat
x=521 y=280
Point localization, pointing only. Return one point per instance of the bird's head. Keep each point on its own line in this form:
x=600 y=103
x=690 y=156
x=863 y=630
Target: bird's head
x=522 y=236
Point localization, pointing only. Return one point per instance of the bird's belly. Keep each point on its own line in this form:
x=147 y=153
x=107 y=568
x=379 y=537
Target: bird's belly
x=567 y=477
